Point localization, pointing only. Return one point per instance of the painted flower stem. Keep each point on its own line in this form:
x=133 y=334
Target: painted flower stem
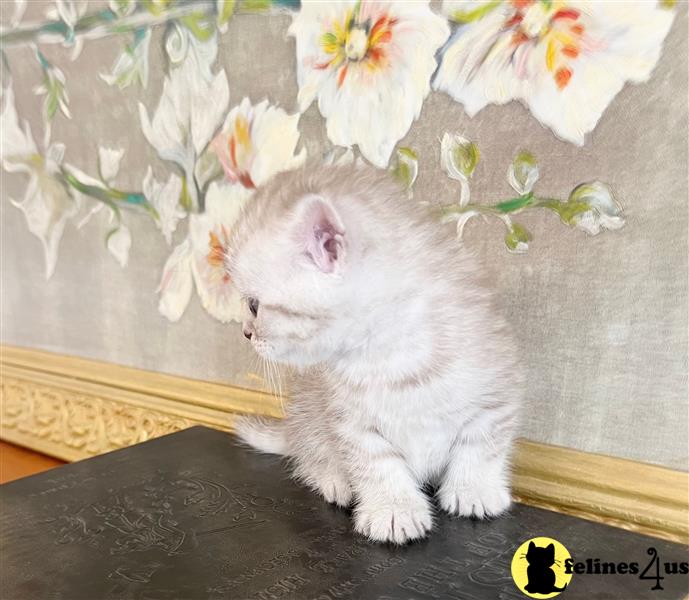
x=100 y=24
x=111 y=197
x=512 y=206
x=565 y=209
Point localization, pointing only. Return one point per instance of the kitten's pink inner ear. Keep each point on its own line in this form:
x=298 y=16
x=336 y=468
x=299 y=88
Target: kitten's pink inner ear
x=325 y=242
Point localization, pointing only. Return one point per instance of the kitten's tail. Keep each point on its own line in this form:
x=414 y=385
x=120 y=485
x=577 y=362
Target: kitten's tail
x=266 y=435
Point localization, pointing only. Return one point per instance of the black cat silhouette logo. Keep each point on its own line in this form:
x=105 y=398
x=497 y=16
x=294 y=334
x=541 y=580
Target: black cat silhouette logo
x=538 y=568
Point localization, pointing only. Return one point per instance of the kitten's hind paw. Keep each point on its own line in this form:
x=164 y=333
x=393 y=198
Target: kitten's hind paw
x=396 y=522
x=335 y=490
x=478 y=500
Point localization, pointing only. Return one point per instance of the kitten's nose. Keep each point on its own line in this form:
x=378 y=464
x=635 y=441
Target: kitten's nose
x=247 y=334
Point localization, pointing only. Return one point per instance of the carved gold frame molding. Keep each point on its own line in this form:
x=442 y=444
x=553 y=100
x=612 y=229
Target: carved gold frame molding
x=74 y=408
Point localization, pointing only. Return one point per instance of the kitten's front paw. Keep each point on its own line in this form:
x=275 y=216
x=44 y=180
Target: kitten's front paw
x=389 y=521
x=478 y=500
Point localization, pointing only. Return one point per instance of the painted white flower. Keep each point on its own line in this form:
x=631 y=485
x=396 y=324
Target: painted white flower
x=47 y=203
x=200 y=258
x=119 y=241
x=256 y=142
x=132 y=64
x=604 y=212
x=176 y=283
x=191 y=108
x=566 y=60
x=109 y=163
x=210 y=235
x=164 y=197
x=16 y=142
x=369 y=64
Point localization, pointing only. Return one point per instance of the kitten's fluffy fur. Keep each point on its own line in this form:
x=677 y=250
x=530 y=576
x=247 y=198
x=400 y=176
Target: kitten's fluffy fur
x=405 y=374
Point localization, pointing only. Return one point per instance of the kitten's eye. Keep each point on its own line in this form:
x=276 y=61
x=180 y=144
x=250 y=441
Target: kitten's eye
x=253 y=306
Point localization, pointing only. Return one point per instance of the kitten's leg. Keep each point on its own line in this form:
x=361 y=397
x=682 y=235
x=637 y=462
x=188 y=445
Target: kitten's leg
x=476 y=481
x=313 y=451
x=323 y=472
x=390 y=506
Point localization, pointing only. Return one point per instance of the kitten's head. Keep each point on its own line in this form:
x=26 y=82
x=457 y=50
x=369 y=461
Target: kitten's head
x=290 y=259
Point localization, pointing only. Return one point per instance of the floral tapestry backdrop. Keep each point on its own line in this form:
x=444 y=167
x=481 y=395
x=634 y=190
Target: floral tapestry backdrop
x=545 y=131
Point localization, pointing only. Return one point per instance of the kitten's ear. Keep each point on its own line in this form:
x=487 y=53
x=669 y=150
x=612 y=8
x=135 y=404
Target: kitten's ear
x=323 y=234
x=532 y=546
x=551 y=549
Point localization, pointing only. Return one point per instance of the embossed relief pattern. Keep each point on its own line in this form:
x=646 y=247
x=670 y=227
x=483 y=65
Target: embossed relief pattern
x=86 y=423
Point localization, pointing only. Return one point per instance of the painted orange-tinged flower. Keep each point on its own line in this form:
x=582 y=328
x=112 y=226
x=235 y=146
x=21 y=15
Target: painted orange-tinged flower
x=199 y=261
x=369 y=65
x=256 y=142
x=565 y=59
x=217 y=249
x=353 y=41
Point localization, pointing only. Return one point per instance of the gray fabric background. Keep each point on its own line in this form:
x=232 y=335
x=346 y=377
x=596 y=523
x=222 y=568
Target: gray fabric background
x=602 y=320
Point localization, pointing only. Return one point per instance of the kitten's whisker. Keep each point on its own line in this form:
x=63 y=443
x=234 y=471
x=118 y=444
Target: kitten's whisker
x=266 y=377
x=273 y=384
x=277 y=383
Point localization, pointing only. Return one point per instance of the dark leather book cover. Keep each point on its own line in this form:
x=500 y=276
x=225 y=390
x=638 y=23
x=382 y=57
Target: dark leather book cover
x=193 y=516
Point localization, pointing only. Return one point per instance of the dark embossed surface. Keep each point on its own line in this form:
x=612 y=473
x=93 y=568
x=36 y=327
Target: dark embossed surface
x=193 y=516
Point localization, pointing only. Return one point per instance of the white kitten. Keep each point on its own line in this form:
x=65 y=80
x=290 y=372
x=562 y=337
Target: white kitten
x=406 y=373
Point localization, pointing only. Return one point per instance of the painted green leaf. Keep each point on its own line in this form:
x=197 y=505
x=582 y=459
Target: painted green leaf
x=468 y=16
x=185 y=200
x=51 y=104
